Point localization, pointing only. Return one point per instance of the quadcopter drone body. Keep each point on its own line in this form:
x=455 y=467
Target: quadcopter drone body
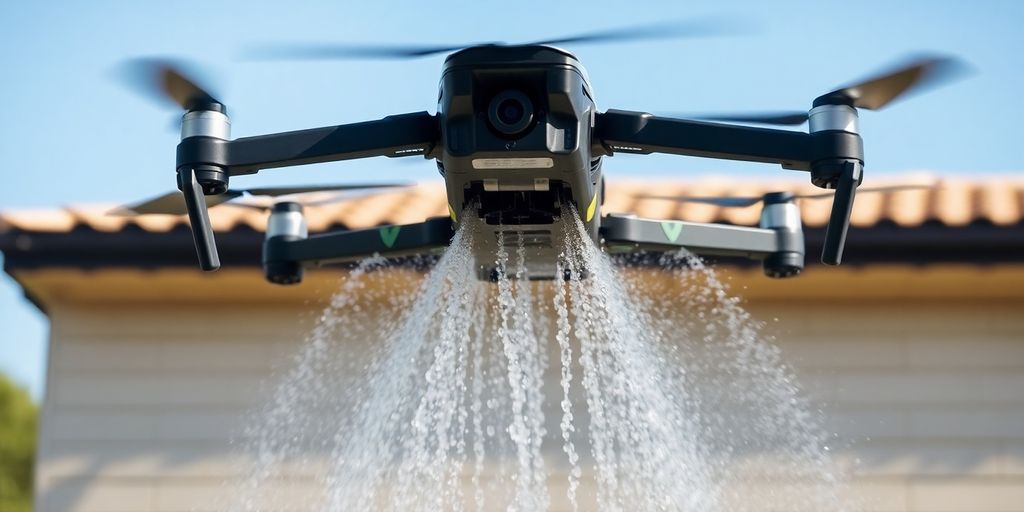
x=519 y=141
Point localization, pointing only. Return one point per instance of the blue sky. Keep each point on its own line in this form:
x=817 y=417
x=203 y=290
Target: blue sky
x=72 y=134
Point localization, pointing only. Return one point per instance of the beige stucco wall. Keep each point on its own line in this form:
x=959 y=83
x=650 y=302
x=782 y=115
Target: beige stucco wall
x=925 y=389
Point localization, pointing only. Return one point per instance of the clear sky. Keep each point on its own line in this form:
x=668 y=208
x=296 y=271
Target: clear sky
x=73 y=134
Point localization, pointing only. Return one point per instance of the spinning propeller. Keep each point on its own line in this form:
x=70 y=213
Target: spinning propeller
x=164 y=80
x=173 y=203
x=322 y=51
x=911 y=77
x=745 y=201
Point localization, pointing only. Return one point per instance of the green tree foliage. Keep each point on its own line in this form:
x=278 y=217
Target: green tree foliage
x=17 y=447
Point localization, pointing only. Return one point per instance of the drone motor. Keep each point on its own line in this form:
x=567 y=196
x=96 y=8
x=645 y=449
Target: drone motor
x=782 y=215
x=286 y=223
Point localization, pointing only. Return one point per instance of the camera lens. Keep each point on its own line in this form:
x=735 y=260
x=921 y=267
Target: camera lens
x=510 y=112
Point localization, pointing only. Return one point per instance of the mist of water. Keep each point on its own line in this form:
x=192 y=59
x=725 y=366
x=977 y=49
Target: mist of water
x=606 y=392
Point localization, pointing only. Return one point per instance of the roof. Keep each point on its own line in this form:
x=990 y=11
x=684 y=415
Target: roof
x=954 y=203
x=959 y=220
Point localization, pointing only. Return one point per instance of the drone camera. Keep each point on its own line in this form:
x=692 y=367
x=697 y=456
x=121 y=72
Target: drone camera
x=510 y=112
x=285 y=224
x=782 y=215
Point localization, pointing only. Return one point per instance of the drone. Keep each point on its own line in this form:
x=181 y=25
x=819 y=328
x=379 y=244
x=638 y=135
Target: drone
x=519 y=140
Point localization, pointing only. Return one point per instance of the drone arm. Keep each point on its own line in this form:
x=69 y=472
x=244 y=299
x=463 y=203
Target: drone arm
x=781 y=247
x=699 y=238
x=392 y=136
x=284 y=255
x=638 y=132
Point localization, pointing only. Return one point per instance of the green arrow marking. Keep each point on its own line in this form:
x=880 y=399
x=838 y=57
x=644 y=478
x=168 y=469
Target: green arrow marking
x=388 y=235
x=671 y=229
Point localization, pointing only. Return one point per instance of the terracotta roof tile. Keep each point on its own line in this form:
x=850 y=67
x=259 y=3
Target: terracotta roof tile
x=908 y=207
x=97 y=219
x=159 y=223
x=999 y=203
x=817 y=213
x=748 y=215
x=56 y=220
x=375 y=210
x=623 y=197
x=954 y=202
x=867 y=211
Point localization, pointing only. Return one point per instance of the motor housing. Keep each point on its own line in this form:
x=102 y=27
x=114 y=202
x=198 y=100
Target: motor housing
x=286 y=223
x=781 y=214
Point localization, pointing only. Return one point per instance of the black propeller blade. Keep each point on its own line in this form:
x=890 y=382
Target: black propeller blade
x=305 y=200
x=669 y=30
x=330 y=51
x=173 y=203
x=166 y=80
x=315 y=51
x=713 y=200
x=744 y=201
x=913 y=76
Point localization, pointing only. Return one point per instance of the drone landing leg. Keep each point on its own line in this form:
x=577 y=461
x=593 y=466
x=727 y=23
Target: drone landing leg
x=199 y=218
x=842 y=207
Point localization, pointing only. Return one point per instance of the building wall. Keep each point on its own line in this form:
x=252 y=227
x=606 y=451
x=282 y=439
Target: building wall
x=926 y=397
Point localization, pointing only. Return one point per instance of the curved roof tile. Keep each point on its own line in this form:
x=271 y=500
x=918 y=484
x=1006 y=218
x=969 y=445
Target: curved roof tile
x=954 y=202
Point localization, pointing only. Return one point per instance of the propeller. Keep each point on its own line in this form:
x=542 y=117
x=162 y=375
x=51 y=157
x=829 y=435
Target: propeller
x=744 y=201
x=173 y=203
x=913 y=76
x=322 y=51
x=167 y=81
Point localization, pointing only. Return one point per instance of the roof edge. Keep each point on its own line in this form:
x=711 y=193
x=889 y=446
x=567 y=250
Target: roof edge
x=976 y=243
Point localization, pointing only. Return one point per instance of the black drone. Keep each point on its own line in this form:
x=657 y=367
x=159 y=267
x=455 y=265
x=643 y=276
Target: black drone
x=519 y=141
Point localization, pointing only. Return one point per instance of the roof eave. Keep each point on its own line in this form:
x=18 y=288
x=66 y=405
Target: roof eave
x=883 y=243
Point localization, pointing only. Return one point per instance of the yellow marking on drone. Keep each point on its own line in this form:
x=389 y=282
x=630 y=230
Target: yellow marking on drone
x=451 y=213
x=592 y=208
